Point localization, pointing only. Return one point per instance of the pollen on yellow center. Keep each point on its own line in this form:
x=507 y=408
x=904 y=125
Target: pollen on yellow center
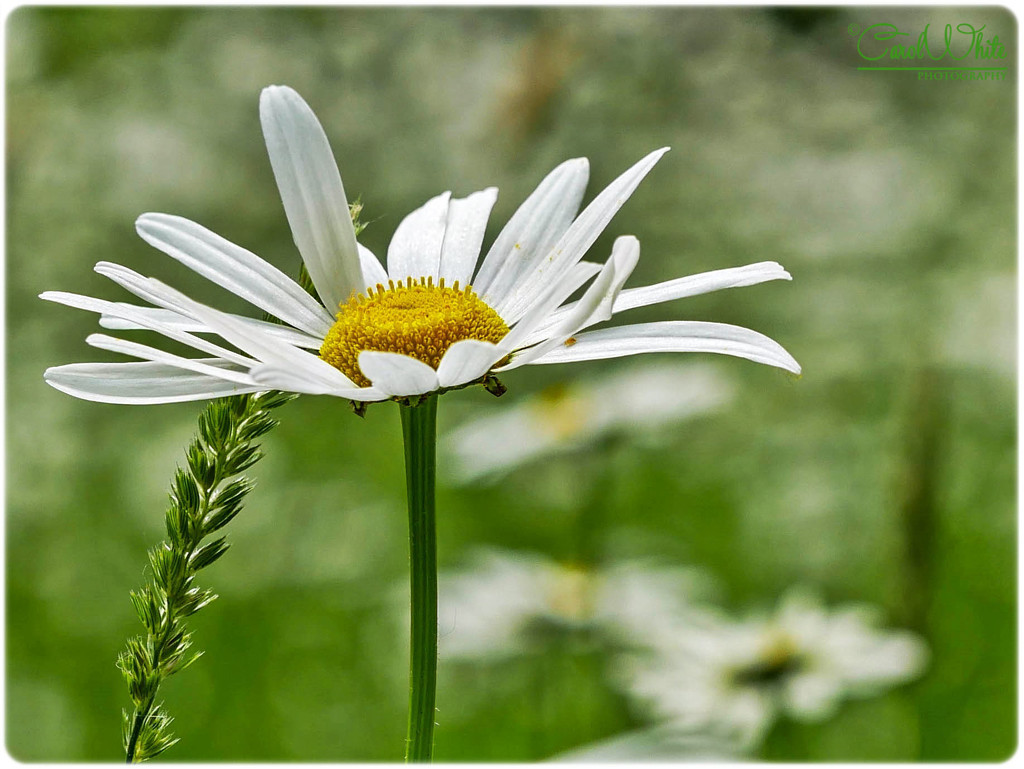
x=414 y=318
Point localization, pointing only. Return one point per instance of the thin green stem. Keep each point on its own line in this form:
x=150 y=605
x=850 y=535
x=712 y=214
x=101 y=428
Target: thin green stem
x=205 y=496
x=137 y=723
x=419 y=429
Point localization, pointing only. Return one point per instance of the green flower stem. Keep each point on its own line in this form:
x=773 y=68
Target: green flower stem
x=419 y=428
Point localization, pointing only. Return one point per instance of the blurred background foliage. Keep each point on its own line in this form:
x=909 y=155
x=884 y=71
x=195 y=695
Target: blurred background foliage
x=885 y=475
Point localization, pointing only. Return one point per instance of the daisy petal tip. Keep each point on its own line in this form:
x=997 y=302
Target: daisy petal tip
x=151 y=219
x=656 y=155
x=779 y=272
x=275 y=92
x=574 y=167
x=276 y=100
x=153 y=227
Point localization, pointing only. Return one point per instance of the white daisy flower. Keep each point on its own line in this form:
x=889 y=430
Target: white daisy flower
x=734 y=677
x=505 y=602
x=641 y=401
x=432 y=320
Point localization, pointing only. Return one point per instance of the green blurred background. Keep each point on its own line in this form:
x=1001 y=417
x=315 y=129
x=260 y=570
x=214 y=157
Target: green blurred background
x=886 y=474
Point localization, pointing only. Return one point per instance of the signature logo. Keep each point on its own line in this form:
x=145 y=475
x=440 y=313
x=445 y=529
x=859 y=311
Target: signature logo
x=966 y=51
x=873 y=43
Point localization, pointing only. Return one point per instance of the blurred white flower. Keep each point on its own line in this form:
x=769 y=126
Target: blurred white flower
x=503 y=604
x=734 y=677
x=657 y=743
x=640 y=401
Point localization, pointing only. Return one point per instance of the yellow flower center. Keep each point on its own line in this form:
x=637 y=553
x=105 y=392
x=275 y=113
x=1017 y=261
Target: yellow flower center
x=417 y=319
x=561 y=412
x=779 y=658
x=571 y=596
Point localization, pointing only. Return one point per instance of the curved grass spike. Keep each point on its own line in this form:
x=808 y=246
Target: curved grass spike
x=204 y=497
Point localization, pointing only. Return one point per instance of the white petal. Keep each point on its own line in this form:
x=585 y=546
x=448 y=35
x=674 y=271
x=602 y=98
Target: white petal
x=373 y=270
x=691 y=285
x=397 y=375
x=140 y=383
x=625 y=255
x=179 y=322
x=312 y=193
x=117 y=309
x=702 y=283
x=812 y=696
x=466 y=361
x=139 y=285
x=549 y=299
x=674 y=336
x=150 y=290
x=415 y=249
x=168 y=318
x=268 y=349
x=464 y=234
x=533 y=229
x=280 y=379
x=264 y=347
x=594 y=306
x=580 y=236
x=145 y=352
x=239 y=271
